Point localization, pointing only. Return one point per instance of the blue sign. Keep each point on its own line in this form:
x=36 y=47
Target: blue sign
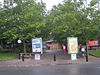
x=36 y=46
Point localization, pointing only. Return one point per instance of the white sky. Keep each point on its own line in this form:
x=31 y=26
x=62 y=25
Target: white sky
x=50 y=3
x=1 y=0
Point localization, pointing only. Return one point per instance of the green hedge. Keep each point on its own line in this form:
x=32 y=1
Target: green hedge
x=7 y=56
x=8 y=50
x=14 y=50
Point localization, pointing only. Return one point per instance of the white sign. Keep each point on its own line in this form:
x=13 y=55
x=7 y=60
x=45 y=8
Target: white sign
x=73 y=57
x=37 y=45
x=37 y=56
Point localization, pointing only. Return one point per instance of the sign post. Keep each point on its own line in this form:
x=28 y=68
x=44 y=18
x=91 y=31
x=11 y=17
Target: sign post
x=91 y=43
x=37 y=47
x=98 y=44
x=72 y=47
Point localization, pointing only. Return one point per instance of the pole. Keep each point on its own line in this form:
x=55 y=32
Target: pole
x=22 y=57
x=54 y=57
x=18 y=52
x=86 y=53
x=18 y=39
x=98 y=44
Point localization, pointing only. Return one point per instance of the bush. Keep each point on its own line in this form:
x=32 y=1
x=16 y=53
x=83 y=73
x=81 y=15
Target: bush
x=8 y=50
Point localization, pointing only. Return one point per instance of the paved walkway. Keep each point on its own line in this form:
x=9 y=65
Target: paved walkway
x=47 y=59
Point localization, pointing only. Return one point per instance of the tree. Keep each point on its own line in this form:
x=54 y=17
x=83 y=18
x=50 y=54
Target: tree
x=65 y=21
x=72 y=19
x=24 y=21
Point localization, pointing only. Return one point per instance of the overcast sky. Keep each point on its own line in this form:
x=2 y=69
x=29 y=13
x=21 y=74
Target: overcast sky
x=51 y=3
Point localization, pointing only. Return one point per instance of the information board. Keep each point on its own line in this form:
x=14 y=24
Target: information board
x=37 y=45
x=72 y=45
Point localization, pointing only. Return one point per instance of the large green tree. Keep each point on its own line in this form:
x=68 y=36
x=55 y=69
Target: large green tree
x=73 y=19
x=24 y=21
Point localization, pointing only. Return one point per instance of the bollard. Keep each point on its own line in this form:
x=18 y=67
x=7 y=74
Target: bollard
x=19 y=56
x=22 y=57
x=86 y=57
x=86 y=53
x=54 y=57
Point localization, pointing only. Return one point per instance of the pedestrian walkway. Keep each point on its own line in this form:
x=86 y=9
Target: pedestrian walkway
x=47 y=58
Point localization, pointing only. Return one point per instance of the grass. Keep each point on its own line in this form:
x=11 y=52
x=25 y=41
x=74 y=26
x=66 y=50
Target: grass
x=6 y=56
x=95 y=53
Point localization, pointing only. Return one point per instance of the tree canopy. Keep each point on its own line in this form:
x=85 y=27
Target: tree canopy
x=26 y=19
x=75 y=19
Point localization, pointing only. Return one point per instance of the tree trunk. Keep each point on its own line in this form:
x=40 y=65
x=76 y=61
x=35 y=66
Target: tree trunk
x=2 y=44
x=24 y=46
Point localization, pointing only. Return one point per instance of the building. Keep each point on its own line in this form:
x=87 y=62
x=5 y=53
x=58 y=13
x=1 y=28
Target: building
x=52 y=45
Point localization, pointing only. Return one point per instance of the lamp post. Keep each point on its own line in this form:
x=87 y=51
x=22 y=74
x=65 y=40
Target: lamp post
x=19 y=41
x=85 y=5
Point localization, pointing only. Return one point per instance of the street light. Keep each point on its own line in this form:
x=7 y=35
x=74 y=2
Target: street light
x=85 y=5
x=19 y=41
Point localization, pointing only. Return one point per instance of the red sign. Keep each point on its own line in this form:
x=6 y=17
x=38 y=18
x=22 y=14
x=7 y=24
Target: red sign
x=93 y=43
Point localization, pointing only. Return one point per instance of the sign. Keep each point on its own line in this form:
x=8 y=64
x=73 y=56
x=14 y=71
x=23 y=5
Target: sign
x=93 y=43
x=72 y=44
x=73 y=57
x=37 y=45
x=37 y=56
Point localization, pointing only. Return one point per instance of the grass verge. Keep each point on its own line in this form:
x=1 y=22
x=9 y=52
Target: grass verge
x=95 y=53
x=6 y=56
